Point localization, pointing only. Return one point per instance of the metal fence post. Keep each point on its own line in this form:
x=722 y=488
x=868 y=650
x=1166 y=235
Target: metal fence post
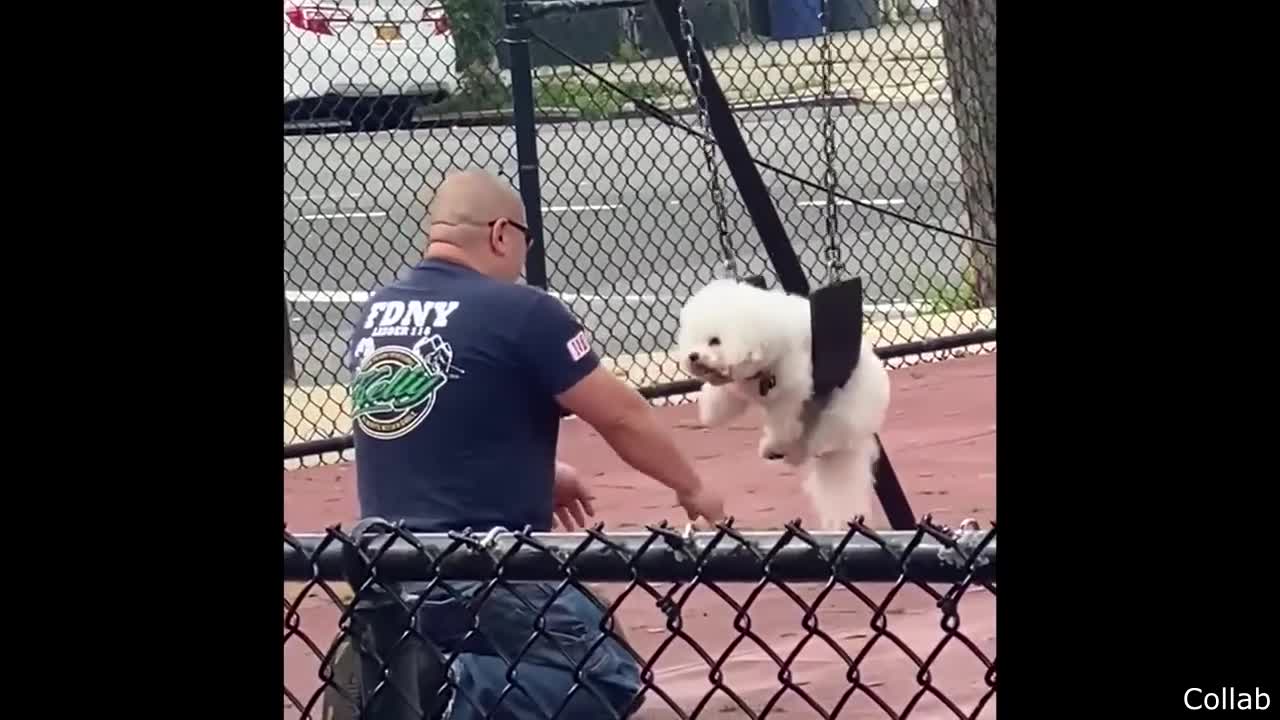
x=290 y=372
x=517 y=40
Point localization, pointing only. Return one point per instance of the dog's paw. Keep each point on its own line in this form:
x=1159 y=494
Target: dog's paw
x=769 y=449
x=783 y=426
x=795 y=458
x=716 y=406
x=772 y=448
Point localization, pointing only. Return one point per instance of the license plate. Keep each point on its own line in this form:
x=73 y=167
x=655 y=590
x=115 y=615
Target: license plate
x=389 y=33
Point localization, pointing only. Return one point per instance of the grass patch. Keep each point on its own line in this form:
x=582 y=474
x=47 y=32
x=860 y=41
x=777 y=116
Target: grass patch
x=947 y=297
x=595 y=101
x=479 y=90
x=592 y=99
x=628 y=52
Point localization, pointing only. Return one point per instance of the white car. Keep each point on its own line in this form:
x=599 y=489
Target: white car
x=369 y=62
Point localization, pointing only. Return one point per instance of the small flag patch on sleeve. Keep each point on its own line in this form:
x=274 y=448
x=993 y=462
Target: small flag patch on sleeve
x=578 y=346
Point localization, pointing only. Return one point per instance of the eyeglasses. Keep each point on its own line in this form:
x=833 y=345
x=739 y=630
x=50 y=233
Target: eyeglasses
x=528 y=238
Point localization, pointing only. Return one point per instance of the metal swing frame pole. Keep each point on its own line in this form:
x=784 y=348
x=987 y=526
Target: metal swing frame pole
x=755 y=196
x=290 y=367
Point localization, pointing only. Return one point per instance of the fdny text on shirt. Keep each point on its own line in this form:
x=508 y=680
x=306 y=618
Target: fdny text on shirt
x=395 y=318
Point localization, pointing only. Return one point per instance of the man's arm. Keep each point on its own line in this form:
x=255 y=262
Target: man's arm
x=561 y=359
x=625 y=420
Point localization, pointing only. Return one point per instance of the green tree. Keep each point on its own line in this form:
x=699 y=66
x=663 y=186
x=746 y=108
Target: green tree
x=477 y=26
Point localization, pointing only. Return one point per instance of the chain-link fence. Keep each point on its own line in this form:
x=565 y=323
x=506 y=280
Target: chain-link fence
x=383 y=624
x=384 y=97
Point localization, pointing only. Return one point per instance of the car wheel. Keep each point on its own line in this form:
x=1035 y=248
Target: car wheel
x=302 y=113
x=386 y=113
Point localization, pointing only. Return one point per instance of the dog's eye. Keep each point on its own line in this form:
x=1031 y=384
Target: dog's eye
x=713 y=341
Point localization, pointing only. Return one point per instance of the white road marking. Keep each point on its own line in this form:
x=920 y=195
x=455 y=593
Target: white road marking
x=325 y=196
x=821 y=203
x=577 y=208
x=324 y=297
x=908 y=306
x=571 y=297
x=342 y=214
x=839 y=201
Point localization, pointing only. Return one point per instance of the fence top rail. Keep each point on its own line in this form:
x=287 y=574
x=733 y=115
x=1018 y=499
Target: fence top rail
x=931 y=553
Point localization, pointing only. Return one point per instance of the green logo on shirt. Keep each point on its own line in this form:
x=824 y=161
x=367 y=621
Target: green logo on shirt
x=395 y=389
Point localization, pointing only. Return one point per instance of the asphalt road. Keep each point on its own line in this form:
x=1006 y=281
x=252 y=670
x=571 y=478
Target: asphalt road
x=629 y=222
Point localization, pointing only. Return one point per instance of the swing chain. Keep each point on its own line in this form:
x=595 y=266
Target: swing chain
x=729 y=263
x=835 y=263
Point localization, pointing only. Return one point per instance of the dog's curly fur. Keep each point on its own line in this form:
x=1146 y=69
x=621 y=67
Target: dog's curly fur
x=736 y=338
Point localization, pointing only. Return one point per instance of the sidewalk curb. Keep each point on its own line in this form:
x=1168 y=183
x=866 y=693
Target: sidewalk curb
x=556 y=116
x=426 y=120
x=779 y=102
x=492 y=118
x=504 y=116
x=921 y=94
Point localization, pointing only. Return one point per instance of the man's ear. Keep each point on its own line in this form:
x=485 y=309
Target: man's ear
x=495 y=240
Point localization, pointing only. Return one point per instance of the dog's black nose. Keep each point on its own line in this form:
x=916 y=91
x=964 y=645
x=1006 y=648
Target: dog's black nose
x=693 y=357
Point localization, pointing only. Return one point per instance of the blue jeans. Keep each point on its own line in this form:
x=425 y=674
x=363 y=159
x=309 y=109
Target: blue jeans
x=544 y=672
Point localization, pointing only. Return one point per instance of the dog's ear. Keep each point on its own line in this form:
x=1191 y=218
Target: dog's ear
x=756 y=281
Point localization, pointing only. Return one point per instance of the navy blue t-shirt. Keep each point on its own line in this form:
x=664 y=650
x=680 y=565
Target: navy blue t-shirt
x=453 y=399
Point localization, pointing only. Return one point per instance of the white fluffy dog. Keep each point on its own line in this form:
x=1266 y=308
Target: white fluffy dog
x=752 y=347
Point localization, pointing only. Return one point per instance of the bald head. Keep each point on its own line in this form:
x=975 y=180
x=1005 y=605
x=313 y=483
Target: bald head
x=471 y=199
x=469 y=221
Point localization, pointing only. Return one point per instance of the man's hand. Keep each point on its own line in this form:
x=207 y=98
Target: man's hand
x=625 y=421
x=703 y=503
x=570 y=498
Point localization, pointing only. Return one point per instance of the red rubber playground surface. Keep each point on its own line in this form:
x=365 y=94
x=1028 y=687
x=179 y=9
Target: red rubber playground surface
x=941 y=438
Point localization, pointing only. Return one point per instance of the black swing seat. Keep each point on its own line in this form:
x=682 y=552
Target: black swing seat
x=835 y=321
